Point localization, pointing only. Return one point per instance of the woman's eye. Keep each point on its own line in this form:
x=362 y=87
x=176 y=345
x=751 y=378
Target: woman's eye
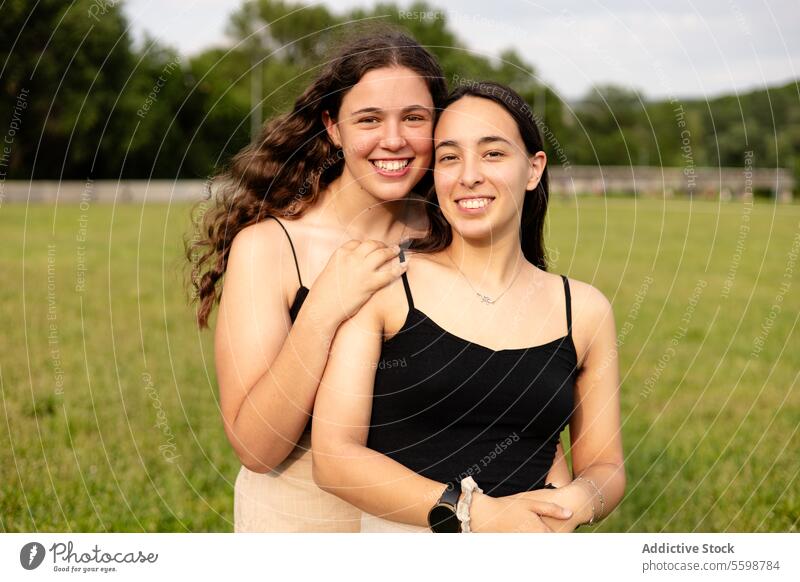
x=447 y=158
x=494 y=154
x=415 y=118
x=368 y=120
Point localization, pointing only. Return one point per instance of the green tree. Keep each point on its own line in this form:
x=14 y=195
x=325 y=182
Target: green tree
x=73 y=67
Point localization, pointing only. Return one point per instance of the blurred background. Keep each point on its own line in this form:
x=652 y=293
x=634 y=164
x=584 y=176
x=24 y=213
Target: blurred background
x=673 y=138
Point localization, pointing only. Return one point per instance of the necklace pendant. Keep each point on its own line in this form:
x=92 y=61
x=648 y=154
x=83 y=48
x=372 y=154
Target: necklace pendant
x=485 y=299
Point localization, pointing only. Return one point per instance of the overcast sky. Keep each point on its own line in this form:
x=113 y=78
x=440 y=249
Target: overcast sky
x=679 y=48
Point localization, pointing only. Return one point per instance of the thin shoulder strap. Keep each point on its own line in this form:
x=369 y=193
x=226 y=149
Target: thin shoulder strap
x=291 y=244
x=408 y=292
x=568 y=298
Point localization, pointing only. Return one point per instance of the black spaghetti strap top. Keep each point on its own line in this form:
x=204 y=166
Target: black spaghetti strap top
x=302 y=291
x=448 y=408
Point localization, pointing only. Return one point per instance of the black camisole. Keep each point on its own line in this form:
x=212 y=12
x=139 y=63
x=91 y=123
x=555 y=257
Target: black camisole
x=447 y=408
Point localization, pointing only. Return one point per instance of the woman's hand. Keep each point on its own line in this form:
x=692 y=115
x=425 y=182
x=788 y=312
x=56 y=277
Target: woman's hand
x=572 y=497
x=355 y=271
x=513 y=513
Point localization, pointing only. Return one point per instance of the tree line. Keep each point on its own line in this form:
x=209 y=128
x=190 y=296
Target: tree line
x=82 y=99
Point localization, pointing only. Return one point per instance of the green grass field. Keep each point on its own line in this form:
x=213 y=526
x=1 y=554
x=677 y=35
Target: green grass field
x=110 y=417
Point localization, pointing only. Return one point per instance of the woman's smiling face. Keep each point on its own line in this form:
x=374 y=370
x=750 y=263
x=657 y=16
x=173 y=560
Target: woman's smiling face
x=482 y=168
x=385 y=129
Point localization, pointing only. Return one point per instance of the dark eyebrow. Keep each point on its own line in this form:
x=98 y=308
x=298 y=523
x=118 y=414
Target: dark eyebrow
x=366 y=110
x=481 y=141
x=491 y=138
x=379 y=110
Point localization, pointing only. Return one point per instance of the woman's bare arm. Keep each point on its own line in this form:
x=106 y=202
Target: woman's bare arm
x=343 y=465
x=268 y=369
x=596 y=441
x=595 y=428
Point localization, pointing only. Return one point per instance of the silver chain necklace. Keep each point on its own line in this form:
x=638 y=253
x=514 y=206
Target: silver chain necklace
x=485 y=298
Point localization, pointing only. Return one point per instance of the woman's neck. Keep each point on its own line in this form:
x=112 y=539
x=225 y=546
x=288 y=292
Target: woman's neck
x=359 y=214
x=489 y=265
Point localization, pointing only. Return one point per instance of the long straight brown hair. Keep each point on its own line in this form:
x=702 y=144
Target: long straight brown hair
x=534 y=208
x=283 y=171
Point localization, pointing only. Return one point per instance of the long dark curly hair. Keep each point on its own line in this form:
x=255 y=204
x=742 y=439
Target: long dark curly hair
x=283 y=171
x=534 y=208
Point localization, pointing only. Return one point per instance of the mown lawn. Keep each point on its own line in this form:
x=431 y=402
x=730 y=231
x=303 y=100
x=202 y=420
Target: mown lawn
x=110 y=417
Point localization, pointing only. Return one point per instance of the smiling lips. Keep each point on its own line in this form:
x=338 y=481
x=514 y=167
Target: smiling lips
x=393 y=167
x=474 y=204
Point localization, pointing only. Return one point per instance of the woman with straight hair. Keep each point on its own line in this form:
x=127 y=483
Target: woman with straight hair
x=444 y=397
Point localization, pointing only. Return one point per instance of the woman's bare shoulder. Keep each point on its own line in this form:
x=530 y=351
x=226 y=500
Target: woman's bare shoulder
x=422 y=258
x=260 y=237
x=389 y=306
x=590 y=306
x=260 y=252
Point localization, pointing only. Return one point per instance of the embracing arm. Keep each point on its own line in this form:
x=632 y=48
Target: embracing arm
x=268 y=370
x=343 y=465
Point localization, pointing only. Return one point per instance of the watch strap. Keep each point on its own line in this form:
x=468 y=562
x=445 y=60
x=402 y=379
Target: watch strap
x=451 y=494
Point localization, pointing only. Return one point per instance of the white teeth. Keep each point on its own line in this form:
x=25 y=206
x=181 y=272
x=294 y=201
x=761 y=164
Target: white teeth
x=474 y=202
x=391 y=166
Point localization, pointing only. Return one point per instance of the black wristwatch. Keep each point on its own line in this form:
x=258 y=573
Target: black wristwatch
x=442 y=516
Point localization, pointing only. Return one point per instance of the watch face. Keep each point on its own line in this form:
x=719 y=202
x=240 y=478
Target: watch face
x=442 y=519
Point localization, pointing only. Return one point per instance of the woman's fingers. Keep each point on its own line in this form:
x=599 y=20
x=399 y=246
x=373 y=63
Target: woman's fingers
x=380 y=256
x=550 y=509
x=388 y=274
x=356 y=271
x=368 y=246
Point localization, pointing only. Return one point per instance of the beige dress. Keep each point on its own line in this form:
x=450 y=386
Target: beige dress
x=373 y=524
x=287 y=499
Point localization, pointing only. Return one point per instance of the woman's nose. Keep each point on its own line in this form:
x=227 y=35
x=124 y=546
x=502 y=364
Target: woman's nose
x=470 y=173
x=393 y=138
